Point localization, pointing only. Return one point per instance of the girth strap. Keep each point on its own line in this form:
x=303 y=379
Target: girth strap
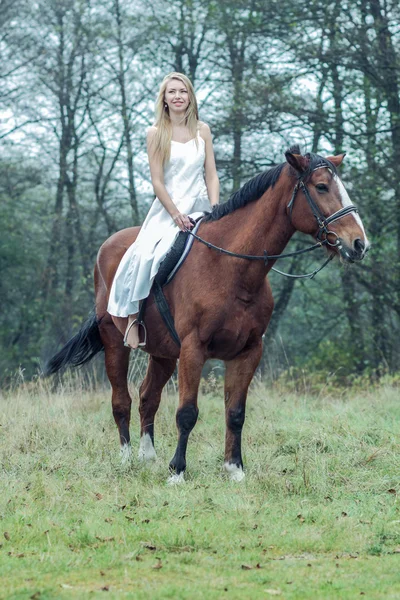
x=165 y=312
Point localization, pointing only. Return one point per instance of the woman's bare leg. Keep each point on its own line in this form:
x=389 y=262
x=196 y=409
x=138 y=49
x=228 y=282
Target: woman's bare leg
x=131 y=337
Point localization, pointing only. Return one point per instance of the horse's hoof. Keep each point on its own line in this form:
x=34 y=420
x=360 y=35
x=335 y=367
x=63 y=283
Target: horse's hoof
x=146 y=448
x=125 y=454
x=176 y=479
x=234 y=472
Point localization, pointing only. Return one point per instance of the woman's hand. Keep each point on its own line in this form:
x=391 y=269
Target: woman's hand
x=182 y=221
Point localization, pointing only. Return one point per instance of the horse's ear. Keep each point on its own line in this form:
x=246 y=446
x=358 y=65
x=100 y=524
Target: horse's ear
x=337 y=160
x=297 y=161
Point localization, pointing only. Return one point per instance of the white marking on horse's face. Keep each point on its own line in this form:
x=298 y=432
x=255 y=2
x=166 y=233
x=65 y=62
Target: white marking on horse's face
x=345 y=198
x=235 y=473
x=146 y=448
x=125 y=454
x=176 y=479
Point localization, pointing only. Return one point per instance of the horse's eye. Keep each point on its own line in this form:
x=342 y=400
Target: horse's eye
x=321 y=187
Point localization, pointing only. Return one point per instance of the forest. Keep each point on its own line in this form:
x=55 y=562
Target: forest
x=78 y=81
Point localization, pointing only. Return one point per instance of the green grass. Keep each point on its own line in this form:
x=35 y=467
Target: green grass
x=317 y=517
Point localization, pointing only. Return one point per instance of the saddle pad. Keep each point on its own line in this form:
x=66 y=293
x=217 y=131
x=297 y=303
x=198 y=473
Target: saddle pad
x=176 y=256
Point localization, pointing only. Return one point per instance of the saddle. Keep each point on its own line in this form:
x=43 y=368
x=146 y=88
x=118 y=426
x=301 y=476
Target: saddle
x=169 y=267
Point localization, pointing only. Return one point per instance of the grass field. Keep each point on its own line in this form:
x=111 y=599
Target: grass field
x=317 y=516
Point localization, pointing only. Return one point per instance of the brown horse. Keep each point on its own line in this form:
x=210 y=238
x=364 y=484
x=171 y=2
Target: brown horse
x=221 y=304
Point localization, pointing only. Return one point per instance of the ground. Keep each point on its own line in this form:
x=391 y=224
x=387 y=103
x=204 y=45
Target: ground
x=317 y=516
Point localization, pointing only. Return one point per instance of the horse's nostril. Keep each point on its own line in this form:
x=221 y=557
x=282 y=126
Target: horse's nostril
x=359 y=246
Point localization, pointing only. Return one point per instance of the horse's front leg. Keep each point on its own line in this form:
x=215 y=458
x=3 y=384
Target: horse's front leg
x=238 y=375
x=191 y=361
x=159 y=370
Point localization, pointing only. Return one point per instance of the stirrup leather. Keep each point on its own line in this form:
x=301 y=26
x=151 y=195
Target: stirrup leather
x=139 y=324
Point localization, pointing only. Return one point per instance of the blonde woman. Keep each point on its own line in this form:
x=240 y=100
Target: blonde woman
x=185 y=183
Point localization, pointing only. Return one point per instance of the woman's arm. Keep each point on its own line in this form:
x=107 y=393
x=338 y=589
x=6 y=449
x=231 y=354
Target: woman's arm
x=157 y=179
x=210 y=169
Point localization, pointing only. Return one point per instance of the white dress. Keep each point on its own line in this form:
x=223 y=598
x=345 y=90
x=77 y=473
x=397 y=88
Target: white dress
x=184 y=181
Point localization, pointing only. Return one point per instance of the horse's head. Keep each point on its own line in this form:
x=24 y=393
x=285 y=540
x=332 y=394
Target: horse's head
x=320 y=206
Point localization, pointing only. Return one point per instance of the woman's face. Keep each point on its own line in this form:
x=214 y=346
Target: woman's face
x=176 y=96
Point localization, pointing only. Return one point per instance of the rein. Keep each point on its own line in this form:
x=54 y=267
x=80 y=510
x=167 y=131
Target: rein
x=322 y=230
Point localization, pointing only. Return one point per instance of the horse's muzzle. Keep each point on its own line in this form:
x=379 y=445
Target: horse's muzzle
x=355 y=253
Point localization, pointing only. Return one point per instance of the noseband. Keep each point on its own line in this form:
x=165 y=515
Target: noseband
x=323 y=222
x=323 y=230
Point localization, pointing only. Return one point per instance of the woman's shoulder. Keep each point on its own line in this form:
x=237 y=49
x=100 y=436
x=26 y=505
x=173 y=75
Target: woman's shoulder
x=204 y=130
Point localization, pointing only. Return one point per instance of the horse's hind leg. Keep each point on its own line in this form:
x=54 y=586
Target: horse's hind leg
x=159 y=370
x=117 y=362
x=238 y=375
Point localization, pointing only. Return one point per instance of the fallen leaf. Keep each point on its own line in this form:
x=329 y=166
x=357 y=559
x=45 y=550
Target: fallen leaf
x=149 y=546
x=109 y=520
x=102 y=573
x=392 y=491
x=106 y=539
x=129 y=518
x=20 y=555
x=146 y=521
x=99 y=496
x=273 y=592
x=246 y=567
x=105 y=588
x=35 y=596
x=300 y=518
x=138 y=557
x=158 y=565
x=7 y=536
x=66 y=586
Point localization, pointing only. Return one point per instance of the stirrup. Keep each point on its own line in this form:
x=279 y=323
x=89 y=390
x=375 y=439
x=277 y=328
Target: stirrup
x=140 y=324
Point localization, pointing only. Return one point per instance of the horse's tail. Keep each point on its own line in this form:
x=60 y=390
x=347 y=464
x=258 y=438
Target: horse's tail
x=79 y=349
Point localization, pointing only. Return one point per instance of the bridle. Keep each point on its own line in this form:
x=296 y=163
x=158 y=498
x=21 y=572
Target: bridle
x=323 y=230
x=323 y=222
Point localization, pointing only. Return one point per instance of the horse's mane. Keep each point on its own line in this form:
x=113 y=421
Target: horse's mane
x=255 y=187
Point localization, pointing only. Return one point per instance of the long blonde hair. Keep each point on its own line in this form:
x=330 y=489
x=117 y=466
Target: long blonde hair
x=161 y=143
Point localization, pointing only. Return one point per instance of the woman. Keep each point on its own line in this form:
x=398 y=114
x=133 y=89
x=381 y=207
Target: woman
x=185 y=183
